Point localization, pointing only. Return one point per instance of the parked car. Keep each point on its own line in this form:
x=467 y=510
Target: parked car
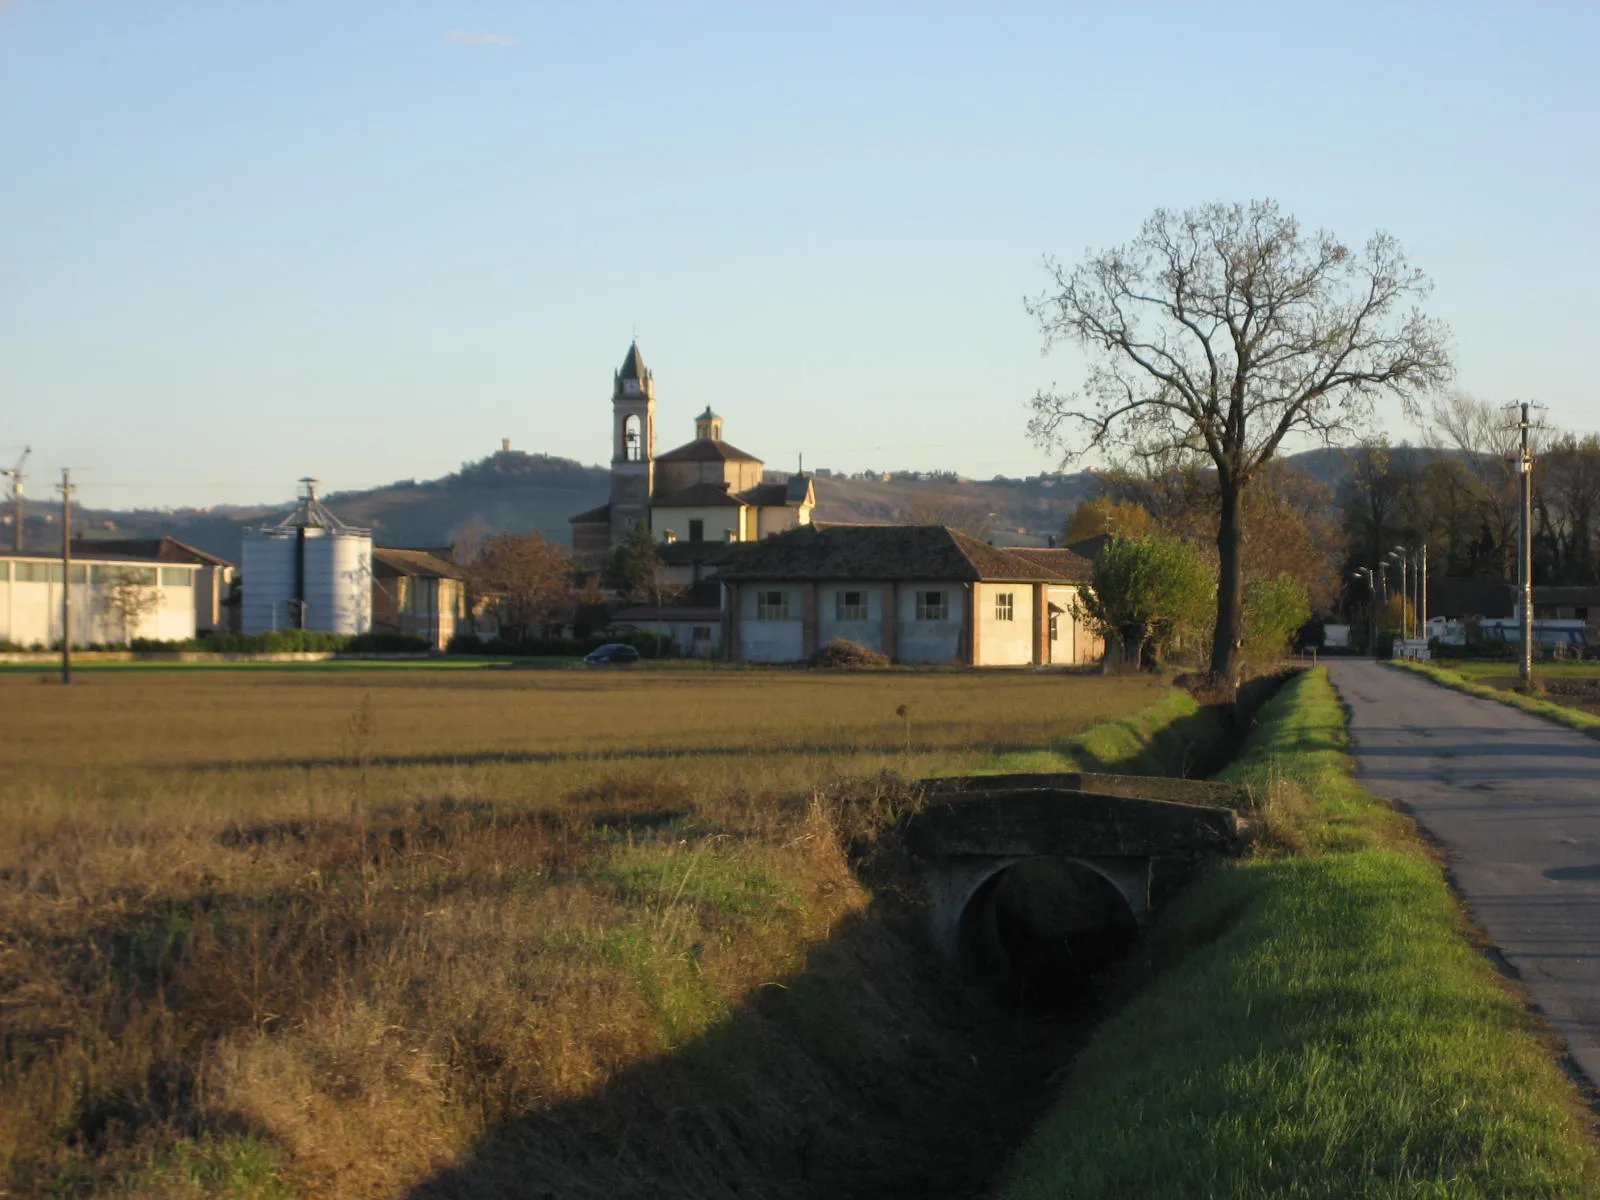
x=611 y=652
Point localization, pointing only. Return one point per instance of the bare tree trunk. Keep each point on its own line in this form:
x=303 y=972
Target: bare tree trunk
x=1226 y=641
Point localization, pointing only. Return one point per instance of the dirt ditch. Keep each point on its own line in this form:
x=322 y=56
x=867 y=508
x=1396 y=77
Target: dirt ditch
x=868 y=1071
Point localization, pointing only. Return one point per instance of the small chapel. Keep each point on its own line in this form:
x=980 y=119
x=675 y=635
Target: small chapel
x=703 y=495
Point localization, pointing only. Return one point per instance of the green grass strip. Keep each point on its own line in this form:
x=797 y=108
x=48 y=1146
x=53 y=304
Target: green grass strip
x=1152 y=740
x=1323 y=1026
x=1576 y=718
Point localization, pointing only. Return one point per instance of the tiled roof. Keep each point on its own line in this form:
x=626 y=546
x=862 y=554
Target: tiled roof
x=1090 y=547
x=162 y=549
x=881 y=552
x=706 y=450
x=417 y=564
x=1069 y=564
x=699 y=495
x=594 y=516
x=766 y=495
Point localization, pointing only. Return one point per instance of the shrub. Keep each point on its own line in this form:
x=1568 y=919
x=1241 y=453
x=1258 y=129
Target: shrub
x=387 y=643
x=1152 y=592
x=280 y=641
x=1274 y=611
x=844 y=653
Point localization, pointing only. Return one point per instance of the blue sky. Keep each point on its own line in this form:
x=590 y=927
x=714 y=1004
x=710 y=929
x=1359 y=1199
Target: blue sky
x=240 y=243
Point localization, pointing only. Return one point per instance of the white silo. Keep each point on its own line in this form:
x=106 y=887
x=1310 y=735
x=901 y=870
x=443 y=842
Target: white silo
x=309 y=571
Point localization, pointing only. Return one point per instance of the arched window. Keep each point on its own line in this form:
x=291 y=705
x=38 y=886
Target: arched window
x=633 y=439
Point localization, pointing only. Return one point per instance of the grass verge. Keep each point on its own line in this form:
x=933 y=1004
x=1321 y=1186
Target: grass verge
x=1322 y=1025
x=1574 y=718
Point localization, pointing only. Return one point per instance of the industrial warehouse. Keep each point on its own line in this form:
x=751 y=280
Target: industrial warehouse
x=115 y=592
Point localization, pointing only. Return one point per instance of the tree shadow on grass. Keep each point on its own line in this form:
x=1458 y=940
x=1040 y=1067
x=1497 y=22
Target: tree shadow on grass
x=864 y=1073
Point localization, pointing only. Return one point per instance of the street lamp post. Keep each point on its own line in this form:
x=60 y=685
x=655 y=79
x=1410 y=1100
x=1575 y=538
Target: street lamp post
x=1372 y=607
x=1398 y=557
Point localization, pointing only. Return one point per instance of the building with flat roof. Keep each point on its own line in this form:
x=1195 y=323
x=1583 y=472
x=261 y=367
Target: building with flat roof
x=115 y=598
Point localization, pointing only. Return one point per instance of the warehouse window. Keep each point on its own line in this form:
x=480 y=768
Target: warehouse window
x=1004 y=606
x=772 y=606
x=135 y=576
x=932 y=606
x=850 y=606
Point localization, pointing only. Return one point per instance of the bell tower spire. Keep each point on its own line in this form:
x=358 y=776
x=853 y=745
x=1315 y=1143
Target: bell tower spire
x=633 y=444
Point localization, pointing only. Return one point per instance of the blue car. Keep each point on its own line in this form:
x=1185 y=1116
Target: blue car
x=611 y=652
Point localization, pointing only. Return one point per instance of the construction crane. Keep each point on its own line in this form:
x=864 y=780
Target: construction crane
x=16 y=476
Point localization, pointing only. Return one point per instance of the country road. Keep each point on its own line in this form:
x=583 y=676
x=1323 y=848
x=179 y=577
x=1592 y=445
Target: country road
x=1515 y=799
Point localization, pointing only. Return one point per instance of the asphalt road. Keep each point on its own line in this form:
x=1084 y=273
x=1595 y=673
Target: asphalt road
x=1516 y=801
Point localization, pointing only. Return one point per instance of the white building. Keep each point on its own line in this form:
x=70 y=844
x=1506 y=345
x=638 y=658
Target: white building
x=916 y=593
x=114 y=599
x=213 y=581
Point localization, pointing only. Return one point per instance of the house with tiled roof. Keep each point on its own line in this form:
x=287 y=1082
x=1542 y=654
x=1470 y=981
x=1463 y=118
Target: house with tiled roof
x=422 y=593
x=698 y=498
x=916 y=593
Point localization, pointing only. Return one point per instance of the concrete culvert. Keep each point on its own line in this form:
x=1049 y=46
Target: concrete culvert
x=1037 y=931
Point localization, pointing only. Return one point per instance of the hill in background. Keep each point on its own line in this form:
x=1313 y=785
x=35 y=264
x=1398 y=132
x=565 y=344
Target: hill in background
x=512 y=491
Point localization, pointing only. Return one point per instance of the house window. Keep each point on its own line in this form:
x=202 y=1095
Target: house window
x=1004 y=606
x=932 y=606
x=176 y=577
x=772 y=606
x=697 y=530
x=850 y=606
x=1055 y=627
x=700 y=633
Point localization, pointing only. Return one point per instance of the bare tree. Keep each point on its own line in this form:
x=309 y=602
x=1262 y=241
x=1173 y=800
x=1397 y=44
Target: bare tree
x=127 y=597
x=1490 y=446
x=1218 y=332
x=526 y=580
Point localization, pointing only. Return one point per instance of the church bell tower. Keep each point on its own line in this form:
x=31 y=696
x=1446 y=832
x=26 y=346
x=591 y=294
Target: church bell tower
x=633 y=444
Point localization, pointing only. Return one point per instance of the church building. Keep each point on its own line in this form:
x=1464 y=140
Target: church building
x=694 y=500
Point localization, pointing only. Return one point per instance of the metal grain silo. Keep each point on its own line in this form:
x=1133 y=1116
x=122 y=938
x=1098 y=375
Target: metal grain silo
x=315 y=571
x=268 y=573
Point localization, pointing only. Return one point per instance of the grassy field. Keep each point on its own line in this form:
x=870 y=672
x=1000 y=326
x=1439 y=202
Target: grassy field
x=1320 y=1023
x=288 y=932
x=1570 y=691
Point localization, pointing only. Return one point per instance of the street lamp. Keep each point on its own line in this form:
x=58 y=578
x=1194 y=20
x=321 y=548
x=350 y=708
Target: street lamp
x=1372 y=607
x=1398 y=557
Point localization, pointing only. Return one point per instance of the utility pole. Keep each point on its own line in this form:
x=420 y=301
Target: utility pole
x=1525 y=554
x=18 y=505
x=1405 y=593
x=66 y=489
x=1422 y=592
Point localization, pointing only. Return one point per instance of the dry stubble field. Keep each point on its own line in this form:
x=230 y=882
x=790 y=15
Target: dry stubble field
x=299 y=932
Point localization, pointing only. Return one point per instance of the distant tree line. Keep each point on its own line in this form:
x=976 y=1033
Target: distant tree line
x=1459 y=494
